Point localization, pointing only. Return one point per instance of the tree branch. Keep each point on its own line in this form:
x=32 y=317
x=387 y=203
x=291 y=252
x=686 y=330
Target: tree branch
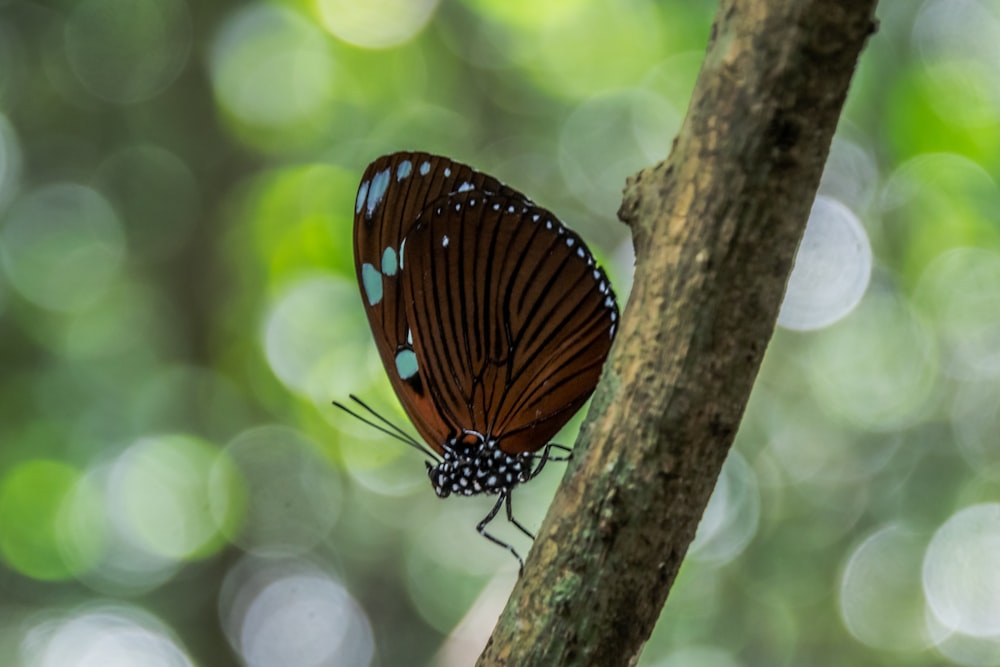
x=715 y=229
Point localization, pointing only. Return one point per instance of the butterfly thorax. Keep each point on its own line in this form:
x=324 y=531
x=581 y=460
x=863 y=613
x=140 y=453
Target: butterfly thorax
x=468 y=468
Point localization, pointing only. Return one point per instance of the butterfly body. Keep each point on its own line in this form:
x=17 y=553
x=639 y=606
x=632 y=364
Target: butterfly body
x=492 y=319
x=479 y=468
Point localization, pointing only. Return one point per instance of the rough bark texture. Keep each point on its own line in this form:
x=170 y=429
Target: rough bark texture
x=715 y=229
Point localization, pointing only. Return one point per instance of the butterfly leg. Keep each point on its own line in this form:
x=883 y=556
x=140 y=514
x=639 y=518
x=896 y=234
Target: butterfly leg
x=547 y=456
x=510 y=517
x=481 y=529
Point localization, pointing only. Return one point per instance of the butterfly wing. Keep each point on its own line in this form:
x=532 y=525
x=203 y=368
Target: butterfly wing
x=394 y=190
x=511 y=318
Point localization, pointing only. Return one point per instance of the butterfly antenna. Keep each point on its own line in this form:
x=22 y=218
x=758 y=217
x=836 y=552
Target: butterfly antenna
x=392 y=431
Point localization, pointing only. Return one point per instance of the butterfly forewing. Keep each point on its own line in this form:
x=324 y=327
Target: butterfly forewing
x=511 y=319
x=394 y=190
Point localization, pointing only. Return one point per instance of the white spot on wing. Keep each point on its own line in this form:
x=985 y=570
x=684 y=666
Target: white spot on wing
x=406 y=363
x=389 y=265
x=371 y=279
x=362 y=195
x=444 y=241
x=404 y=169
x=377 y=190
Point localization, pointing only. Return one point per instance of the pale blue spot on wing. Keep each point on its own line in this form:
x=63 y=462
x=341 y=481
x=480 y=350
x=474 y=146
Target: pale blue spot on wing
x=372 y=281
x=406 y=363
x=362 y=194
x=389 y=266
x=402 y=247
x=447 y=172
x=425 y=167
x=377 y=190
x=465 y=187
x=403 y=170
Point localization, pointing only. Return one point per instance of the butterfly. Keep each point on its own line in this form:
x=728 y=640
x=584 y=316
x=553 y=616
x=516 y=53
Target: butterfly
x=492 y=319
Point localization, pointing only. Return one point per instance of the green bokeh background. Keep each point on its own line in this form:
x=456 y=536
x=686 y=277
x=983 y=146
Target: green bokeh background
x=178 y=310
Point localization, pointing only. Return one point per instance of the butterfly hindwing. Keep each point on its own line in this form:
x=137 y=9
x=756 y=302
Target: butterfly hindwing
x=511 y=318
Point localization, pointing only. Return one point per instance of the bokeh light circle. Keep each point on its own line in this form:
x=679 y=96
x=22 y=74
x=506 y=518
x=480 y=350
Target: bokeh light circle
x=568 y=54
x=61 y=246
x=126 y=566
x=957 y=42
x=45 y=506
x=289 y=612
x=376 y=24
x=961 y=649
x=850 y=175
x=128 y=50
x=102 y=635
x=958 y=292
x=160 y=489
x=876 y=367
x=975 y=421
x=291 y=497
x=810 y=447
x=730 y=519
x=934 y=202
x=832 y=268
x=961 y=579
x=272 y=68
x=881 y=602
x=609 y=137
x=311 y=341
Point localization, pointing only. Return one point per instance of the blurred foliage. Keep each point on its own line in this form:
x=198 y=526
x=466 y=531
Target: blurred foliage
x=178 y=308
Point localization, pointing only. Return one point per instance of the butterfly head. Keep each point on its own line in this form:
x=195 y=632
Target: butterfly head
x=472 y=464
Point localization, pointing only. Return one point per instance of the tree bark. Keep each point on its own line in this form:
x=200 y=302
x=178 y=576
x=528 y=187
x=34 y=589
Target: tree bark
x=715 y=228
